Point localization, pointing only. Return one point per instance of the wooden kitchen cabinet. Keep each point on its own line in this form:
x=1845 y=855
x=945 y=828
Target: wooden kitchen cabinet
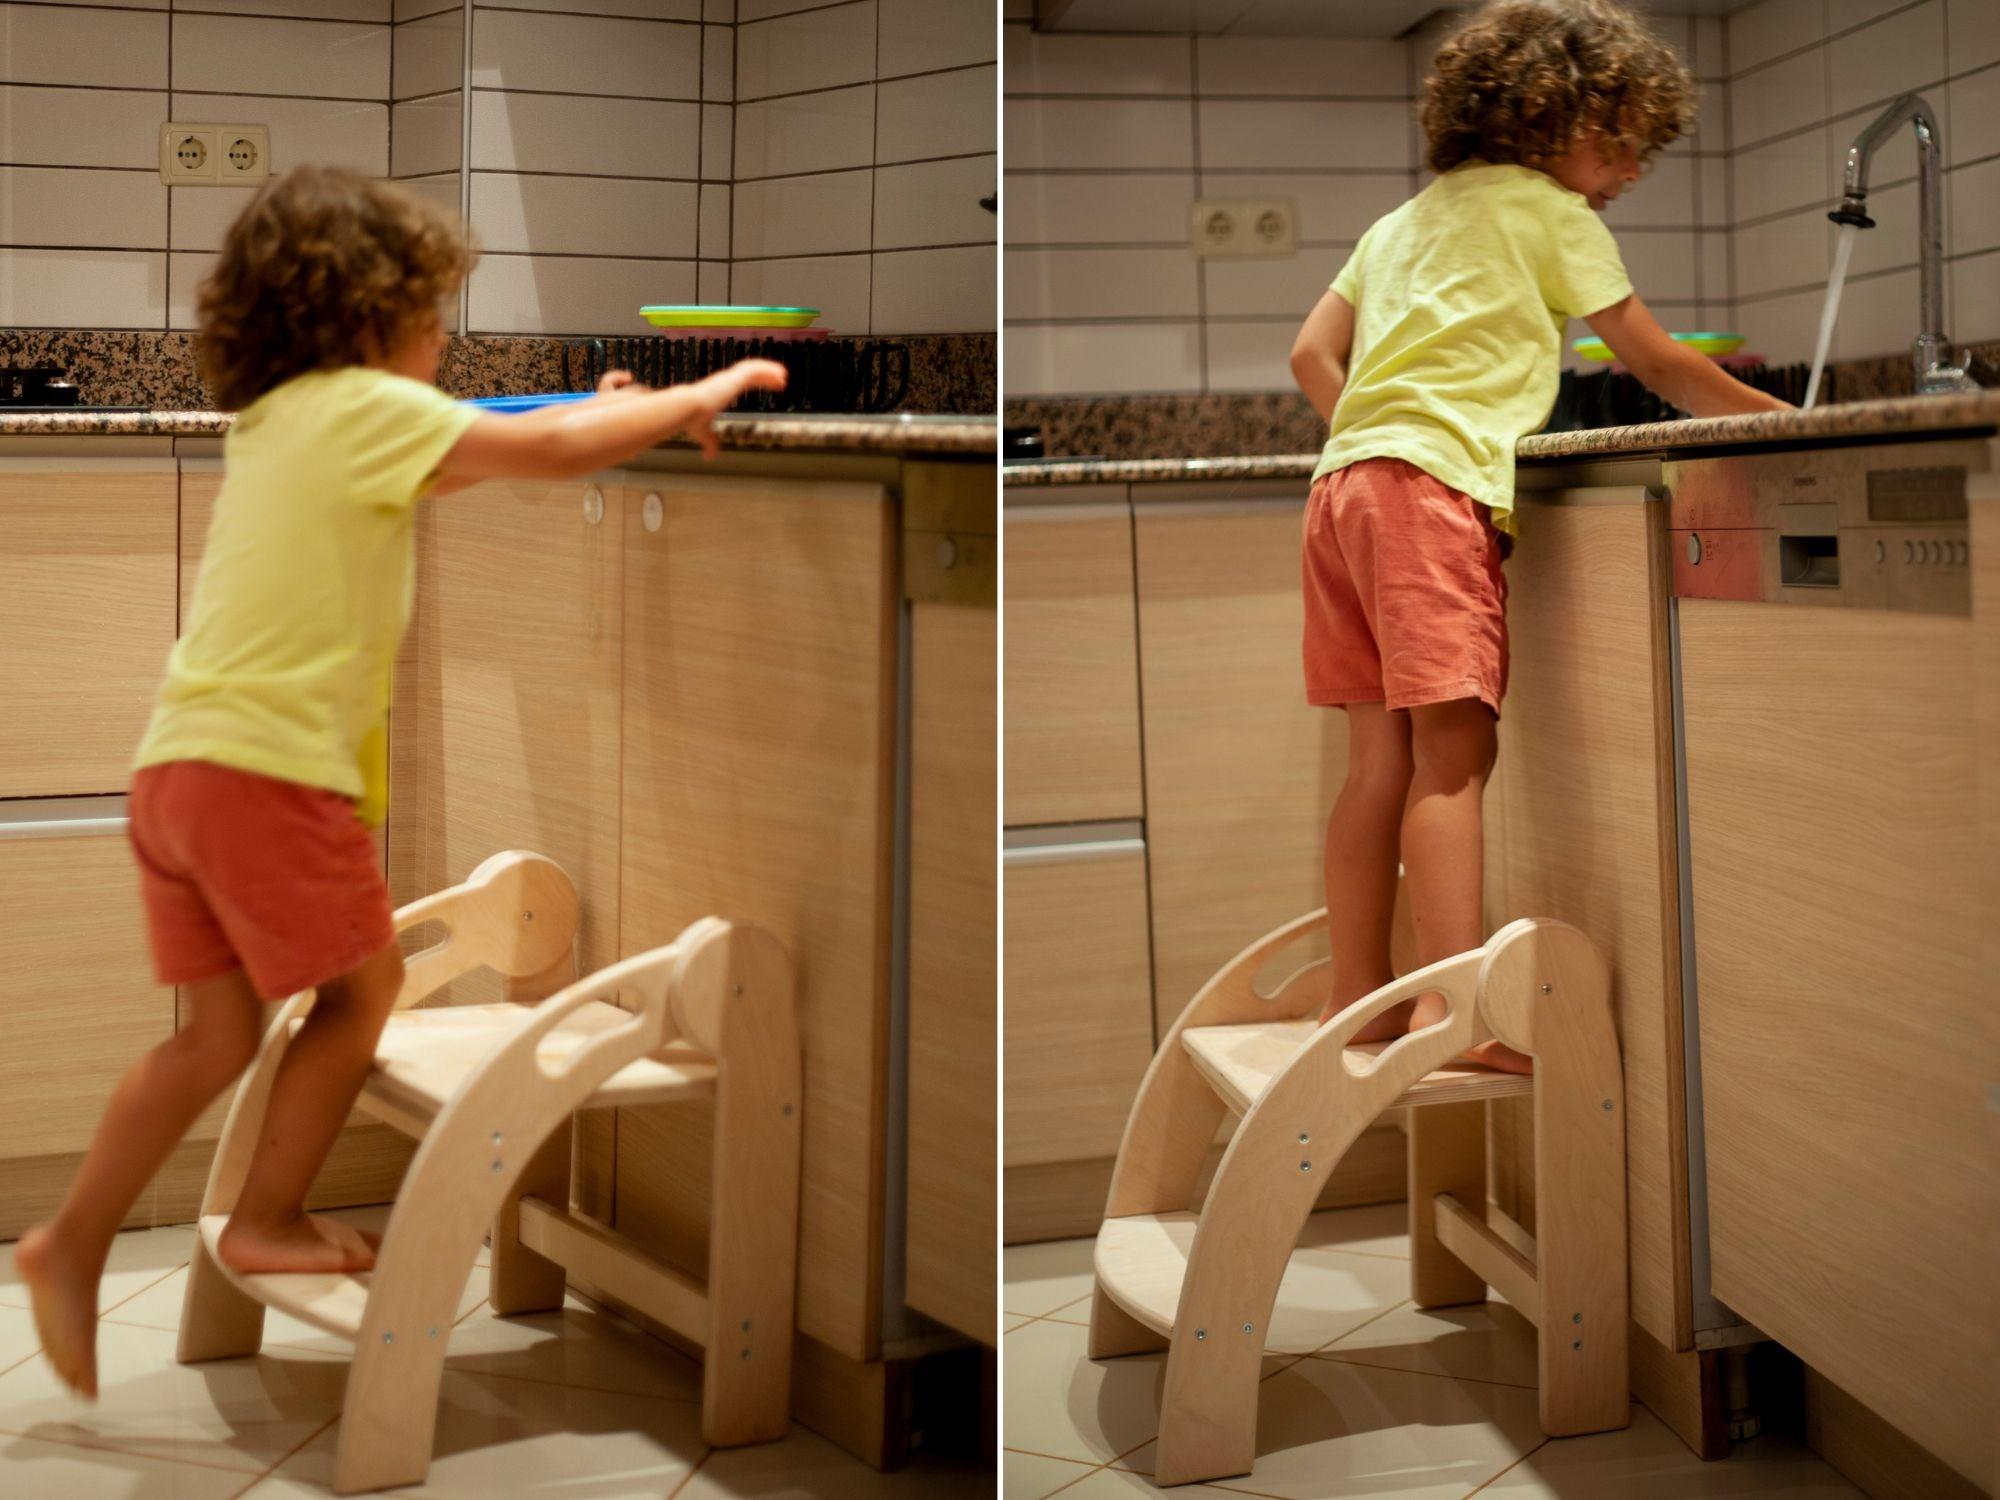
x=1072 y=676
x=1240 y=771
x=758 y=773
x=1079 y=1029
x=87 y=588
x=952 y=1125
x=1583 y=804
x=1847 y=1041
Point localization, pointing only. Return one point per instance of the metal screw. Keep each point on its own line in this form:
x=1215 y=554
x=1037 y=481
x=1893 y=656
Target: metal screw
x=388 y=1338
x=736 y=989
x=1577 y=1344
x=1305 y=1166
x=1303 y=1137
x=1200 y=1334
x=1248 y=1328
x=1606 y=1106
x=1548 y=989
x=746 y=1325
x=496 y=1137
x=788 y=1110
x=496 y=1166
x=746 y=1353
x=1576 y=1317
x=527 y=916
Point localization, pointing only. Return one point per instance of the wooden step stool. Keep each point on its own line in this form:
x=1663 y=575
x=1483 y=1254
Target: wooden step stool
x=1202 y=1287
x=489 y=1091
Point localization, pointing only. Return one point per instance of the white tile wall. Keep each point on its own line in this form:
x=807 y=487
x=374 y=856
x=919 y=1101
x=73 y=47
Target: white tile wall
x=568 y=133
x=1806 y=77
x=516 y=214
x=80 y=127
x=1110 y=139
x=111 y=49
x=251 y=55
x=82 y=289
x=864 y=139
x=572 y=294
x=585 y=55
x=429 y=56
x=340 y=132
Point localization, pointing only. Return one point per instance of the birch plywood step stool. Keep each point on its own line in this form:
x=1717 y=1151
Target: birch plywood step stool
x=489 y=1091
x=1202 y=1287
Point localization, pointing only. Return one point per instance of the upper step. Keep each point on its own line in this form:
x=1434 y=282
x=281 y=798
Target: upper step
x=425 y=1053
x=1241 y=1061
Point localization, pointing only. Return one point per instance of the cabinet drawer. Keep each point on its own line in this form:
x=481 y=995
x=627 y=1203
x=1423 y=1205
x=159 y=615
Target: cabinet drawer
x=1072 y=723
x=87 y=588
x=76 y=985
x=1079 y=1027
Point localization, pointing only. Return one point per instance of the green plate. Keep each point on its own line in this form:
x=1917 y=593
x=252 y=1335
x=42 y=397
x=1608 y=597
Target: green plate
x=730 y=317
x=1701 y=343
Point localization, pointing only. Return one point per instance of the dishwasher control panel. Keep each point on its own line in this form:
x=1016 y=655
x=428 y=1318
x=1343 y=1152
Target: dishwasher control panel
x=1866 y=528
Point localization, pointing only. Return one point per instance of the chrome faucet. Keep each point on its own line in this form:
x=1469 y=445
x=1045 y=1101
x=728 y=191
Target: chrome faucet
x=1932 y=352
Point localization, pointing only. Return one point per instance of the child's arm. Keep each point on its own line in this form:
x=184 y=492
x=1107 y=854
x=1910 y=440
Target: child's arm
x=1672 y=370
x=1319 y=353
x=570 y=441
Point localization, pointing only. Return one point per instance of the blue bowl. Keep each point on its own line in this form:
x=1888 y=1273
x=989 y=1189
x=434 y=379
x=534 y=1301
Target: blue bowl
x=528 y=403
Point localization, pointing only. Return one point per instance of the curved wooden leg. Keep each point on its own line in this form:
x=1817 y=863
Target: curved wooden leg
x=1113 y=1331
x=389 y=1421
x=218 y=1321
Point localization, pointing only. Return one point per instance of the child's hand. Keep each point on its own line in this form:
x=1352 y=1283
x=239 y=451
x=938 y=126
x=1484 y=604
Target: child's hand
x=722 y=390
x=615 y=381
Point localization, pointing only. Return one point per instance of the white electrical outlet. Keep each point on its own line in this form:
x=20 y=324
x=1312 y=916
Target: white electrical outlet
x=1226 y=227
x=246 y=152
x=214 y=155
x=187 y=154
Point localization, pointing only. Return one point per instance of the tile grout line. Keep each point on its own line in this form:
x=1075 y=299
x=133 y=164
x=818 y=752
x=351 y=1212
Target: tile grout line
x=688 y=1479
x=162 y=1458
x=1486 y=1484
x=311 y=1437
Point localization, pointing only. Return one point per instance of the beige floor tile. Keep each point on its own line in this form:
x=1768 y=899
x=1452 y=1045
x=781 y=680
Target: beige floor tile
x=1077 y=1312
x=1010 y=1321
x=235 y=1413
x=805 y=1465
x=18 y=1340
x=582 y=1346
x=1378 y=1229
x=1327 y=1431
x=524 y=1437
x=159 y=1306
x=1123 y=1484
x=1061 y=1404
x=1326 y=1293
x=1647 y=1462
x=1030 y=1476
x=1041 y=1278
x=138 y=1258
x=1486 y=1342
x=31 y=1469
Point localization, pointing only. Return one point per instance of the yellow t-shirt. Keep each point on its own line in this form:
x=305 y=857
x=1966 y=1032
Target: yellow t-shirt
x=1460 y=296
x=283 y=666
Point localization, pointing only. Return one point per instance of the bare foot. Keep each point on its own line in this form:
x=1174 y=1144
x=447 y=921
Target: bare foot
x=65 y=1302
x=1500 y=1057
x=1392 y=1022
x=308 y=1243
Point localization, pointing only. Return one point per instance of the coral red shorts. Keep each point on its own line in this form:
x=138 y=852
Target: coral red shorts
x=245 y=871
x=1405 y=601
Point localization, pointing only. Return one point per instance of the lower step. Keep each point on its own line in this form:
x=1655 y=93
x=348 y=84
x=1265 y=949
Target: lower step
x=334 y=1303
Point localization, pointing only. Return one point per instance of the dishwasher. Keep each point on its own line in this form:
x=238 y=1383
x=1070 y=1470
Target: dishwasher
x=1840 y=1041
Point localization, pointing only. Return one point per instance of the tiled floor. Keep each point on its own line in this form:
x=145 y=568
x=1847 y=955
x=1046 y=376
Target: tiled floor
x=577 y=1404
x=1371 y=1397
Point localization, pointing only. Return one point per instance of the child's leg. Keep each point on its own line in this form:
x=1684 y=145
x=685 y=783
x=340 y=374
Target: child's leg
x=153 y=1106
x=317 y=1083
x=1453 y=745
x=1361 y=862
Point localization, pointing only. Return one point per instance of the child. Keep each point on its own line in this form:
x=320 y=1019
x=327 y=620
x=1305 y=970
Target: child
x=264 y=766
x=1436 y=349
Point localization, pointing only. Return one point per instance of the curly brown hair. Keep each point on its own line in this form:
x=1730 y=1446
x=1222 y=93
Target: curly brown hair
x=324 y=268
x=1525 y=79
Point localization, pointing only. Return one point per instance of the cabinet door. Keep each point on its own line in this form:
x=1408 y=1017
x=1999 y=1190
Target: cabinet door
x=1079 y=1015
x=1240 y=771
x=1072 y=665
x=759 y=740
x=1585 y=775
x=1847 y=1049
x=76 y=981
x=87 y=592
x=954 y=969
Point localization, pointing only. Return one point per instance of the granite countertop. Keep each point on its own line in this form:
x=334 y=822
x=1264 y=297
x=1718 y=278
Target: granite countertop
x=893 y=432
x=1844 y=423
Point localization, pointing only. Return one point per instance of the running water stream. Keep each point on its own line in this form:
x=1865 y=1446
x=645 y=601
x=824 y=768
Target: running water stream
x=1843 y=248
